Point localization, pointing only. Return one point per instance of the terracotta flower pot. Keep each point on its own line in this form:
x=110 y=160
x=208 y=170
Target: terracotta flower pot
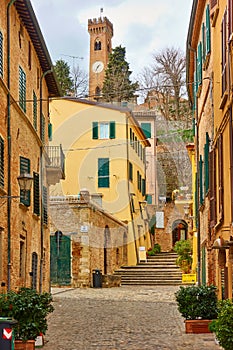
x=197 y=326
x=28 y=345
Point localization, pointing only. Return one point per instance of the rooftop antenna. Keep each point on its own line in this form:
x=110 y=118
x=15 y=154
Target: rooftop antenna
x=101 y=12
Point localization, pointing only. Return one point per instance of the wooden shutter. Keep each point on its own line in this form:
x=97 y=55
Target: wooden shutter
x=36 y=193
x=103 y=172
x=143 y=187
x=203 y=42
x=220 y=177
x=112 y=134
x=208 y=30
x=212 y=184
x=230 y=18
x=22 y=89
x=201 y=180
x=206 y=163
x=1 y=162
x=95 y=130
x=45 y=205
x=1 y=54
x=199 y=64
x=34 y=110
x=224 y=53
x=25 y=198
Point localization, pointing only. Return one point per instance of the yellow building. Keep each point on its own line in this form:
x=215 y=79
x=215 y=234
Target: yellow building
x=209 y=58
x=105 y=154
x=26 y=83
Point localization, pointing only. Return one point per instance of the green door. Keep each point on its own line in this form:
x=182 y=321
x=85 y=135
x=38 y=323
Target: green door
x=60 y=260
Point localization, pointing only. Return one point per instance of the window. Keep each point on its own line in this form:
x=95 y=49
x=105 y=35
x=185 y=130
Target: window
x=42 y=129
x=34 y=110
x=130 y=171
x=203 y=42
x=22 y=259
x=1 y=55
x=103 y=130
x=1 y=162
x=199 y=64
x=36 y=193
x=149 y=198
x=206 y=163
x=103 y=172
x=25 y=168
x=139 y=181
x=146 y=128
x=22 y=89
x=201 y=180
x=220 y=177
x=97 y=45
x=143 y=187
x=212 y=182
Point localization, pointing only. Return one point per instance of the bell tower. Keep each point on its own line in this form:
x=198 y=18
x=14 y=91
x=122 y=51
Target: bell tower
x=101 y=33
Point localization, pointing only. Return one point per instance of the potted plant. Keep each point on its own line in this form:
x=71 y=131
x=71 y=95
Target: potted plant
x=223 y=325
x=183 y=248
x=30 y=309
x=198 y=305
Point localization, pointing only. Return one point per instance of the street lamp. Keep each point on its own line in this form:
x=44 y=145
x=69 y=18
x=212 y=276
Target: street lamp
x=25 y=183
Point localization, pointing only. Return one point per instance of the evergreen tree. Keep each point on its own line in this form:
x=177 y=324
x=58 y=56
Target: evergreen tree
x=62 y=71
x=117 y=85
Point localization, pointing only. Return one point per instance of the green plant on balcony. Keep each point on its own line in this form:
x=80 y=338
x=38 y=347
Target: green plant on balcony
x=183 y=248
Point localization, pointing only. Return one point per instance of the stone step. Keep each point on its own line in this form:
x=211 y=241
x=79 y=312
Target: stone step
x=160 y=269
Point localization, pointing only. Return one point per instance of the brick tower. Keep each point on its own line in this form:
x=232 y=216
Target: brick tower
x=101 y=33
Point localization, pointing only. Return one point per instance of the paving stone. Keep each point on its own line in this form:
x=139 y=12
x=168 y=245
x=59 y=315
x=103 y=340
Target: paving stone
x=126 y=318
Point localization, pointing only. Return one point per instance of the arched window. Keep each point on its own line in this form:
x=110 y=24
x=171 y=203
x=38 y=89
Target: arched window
x=97 y=45
x=97 y=91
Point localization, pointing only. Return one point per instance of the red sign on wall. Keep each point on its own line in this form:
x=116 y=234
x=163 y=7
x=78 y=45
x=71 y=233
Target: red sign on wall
x=7 y=333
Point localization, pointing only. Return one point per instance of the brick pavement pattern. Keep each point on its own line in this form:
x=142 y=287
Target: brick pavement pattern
x=135 y=318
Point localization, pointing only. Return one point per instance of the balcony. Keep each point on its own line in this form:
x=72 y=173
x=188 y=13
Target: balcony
x=55 y=167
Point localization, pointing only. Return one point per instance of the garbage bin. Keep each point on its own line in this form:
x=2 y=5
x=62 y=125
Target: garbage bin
x=97 y=278
x=6 y=333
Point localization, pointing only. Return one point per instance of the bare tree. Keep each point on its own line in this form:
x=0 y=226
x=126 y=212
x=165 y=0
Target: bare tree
x=80 y=81
x=165 y=82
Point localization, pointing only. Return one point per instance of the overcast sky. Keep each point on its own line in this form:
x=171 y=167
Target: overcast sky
x=141 y=26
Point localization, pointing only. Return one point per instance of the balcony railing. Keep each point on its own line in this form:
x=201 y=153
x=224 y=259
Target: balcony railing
x=56 y=165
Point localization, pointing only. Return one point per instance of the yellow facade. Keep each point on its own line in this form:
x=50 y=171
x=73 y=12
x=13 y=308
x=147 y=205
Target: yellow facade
x=209 y=57
x=122 y=188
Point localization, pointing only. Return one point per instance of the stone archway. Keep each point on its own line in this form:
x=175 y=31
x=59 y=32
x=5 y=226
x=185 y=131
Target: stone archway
x=179 y=231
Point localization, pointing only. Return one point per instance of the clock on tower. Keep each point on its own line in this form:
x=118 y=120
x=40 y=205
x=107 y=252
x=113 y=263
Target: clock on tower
x=101 y=33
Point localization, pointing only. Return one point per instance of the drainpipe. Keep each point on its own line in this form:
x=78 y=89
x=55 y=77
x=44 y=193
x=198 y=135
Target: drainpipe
x=130 y=199
x=8 y=151
x=41 y=185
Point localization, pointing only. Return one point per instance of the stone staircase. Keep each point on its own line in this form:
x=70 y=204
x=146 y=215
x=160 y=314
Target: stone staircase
x=160 y=269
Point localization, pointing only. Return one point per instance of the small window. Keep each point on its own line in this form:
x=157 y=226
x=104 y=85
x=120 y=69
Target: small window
x=146 y=127
x=36 y=193
x=25 y=168
x=103 y=172
x=103 y=130
x=130 y=171
x=97 y=45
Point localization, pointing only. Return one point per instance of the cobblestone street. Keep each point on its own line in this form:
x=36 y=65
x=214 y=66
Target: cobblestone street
x=136 y=318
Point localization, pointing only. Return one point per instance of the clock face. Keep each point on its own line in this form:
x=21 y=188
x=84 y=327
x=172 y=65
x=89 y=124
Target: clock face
x=97 y=66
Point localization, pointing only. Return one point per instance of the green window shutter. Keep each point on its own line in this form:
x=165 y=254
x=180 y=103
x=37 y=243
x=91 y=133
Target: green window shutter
x=149 y=198
x=146 y=128
x=196 y=201
x=199 y=64
x=203 y=42
x=206 y=163
x=1 y=54
x=112 y=134
x=143 y=187
x=34 y=110
x=36 y=193
x=22 y=89
x=25 y=198
x=201 y=180
x=95 y=130
x=43 y=129
x=103 y=172
x=130 y=171
x=45 y=205
x=50 y=131
x=131 y=137
x=208 y=28
x=1 y=162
